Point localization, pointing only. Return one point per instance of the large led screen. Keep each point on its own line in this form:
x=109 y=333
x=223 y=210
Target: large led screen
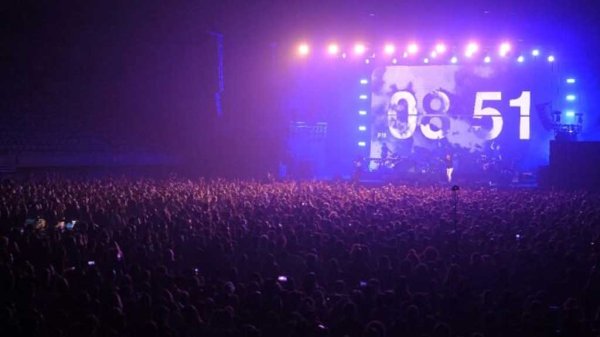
x=476 y=112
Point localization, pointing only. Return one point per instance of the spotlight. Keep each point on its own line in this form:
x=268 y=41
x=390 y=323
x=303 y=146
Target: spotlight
x=359 y=49
x=362 y=128
x=363 y=97
x=551 y=58
x=364 y=81
x=389 y=49
x=570 y=80
x=454 y=59
x=333 y=49
x=303 y=49
x=535 y=52
x=571 y=97
x=344 y=55
x=412 y=48
x=405 y=54
x=440 y=48
x=367 y=61
x=487 y=59
x=471 y=49
x=362 y=144
x=434 y=54
x=394 y=61
x=426 y=60
x=504 y=49
x=362 y=112
x=570 y=113
x=520 y=59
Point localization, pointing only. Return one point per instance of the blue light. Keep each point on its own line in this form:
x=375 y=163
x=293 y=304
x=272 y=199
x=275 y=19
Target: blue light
x=535 y=52
x=570 y=113
x=362 y=144
x=551 y=58
x=520 y=59
x=363 y=97
x=362 y=128
x=364 y=81
x=571 y=98
x=570 y=80
x=362 y=112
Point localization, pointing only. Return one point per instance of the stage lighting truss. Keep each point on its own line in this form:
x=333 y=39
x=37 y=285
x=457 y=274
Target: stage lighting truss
x=414 y=53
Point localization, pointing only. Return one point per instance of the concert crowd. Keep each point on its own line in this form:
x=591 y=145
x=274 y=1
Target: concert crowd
x=181 y=258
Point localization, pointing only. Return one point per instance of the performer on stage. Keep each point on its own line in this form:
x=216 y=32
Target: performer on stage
x=449 y=161
x=358 y=168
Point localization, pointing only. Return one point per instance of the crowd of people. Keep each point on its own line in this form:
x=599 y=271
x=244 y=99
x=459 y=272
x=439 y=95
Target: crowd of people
x=181 y=258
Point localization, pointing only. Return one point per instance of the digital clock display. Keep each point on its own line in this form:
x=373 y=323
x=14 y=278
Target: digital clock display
x=470 y=109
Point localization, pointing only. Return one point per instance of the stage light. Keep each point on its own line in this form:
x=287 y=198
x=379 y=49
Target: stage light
x=362 y=144
x=551 y=58
x=434 y=54
x=440 y=48
x=535 y=52
x=570 y=113
x=364 y=81
x=333 y=49
x=344 y=55
x=426 y=60
x=520 y=59
x=362 y=112
x=571 y=97
x=394 y=61
x=405 y=54
x=362 y=128
x=363 y=97
x=570 y=80
x=389 y=49
x=303 y=49
x=412 y=48
x=359 y=49
x=454 y=59
x=504 y=49
x=367 y=61
x=471 y=49
x=487 y=59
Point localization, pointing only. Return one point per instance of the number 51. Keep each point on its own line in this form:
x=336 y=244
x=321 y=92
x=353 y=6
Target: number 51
x=523 y=102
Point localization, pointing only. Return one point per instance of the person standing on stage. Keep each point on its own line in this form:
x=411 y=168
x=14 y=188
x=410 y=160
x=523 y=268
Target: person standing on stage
x=449 y=161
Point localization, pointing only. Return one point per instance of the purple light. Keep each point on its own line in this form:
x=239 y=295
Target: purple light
x=303 y=49
x=487 y=59
x=471 y=49
x=454 y=60
x=362 y=128
x=504 y=49
x=412 y=48
x=333 y=49
x=359 y=49
x=440 y=48
x=520 y=59
x=362 y=144
x=362 y=112
x=389 y=49
x=535 y=52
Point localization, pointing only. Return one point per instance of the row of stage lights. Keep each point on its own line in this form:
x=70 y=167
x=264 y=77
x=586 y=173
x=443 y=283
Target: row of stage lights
x=412 y=50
